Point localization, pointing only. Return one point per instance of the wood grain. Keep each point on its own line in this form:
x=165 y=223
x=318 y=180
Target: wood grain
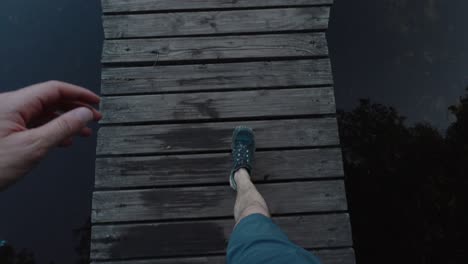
x=109 y=6
x=327 y=256
x=209 y=237
x=215 y=48
x=218 y=105
x=157 y=171
x=214 y=201
x=162 y=139
x=216 y=22
x=206 y=77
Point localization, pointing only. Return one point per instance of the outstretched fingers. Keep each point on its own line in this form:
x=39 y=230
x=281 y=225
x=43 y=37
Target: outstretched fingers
x=32 y=101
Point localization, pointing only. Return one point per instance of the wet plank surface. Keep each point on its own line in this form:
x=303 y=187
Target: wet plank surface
x=327 y=256
x=214 y=201
x=215 y=137
x=178 y=76
x=208 y=236
x=178 y=170
x=225 y=76
x=215 y=48
x=165 y=5
x=216 y=22
x=218 y=105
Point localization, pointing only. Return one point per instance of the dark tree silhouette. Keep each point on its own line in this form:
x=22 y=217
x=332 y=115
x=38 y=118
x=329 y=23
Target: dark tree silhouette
x=407 y=185
x=8 y=255
x=83 y=242
x=82 y=235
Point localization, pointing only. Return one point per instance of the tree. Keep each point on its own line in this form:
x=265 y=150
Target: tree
x=83 y=239
x=8 y=255
x=407 y=185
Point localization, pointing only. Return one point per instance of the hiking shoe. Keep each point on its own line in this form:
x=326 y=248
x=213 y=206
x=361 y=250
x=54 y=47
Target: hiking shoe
x=243 y=151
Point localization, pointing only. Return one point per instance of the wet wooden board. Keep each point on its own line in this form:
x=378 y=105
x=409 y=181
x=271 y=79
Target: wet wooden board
x=221 y=105
x=208 y=237
x=327 y=256
x=214 y=201
x=177 y=170
x=200 y=137
x=215 y=77
x=178 y=77
x=216 y=22
x=215 y=48
x=109 y=6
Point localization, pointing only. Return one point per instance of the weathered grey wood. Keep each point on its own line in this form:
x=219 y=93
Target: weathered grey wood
x=215 y=76
x=120 y=172
x=165 y=5
x=218 y=105
x=215 y=136
x=215 y=48
x=214 y=201
x=209 y=237
x=327 y=256
x=218 y=92
x=216 y=22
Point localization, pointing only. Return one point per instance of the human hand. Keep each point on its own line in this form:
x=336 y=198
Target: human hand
x=35 y=119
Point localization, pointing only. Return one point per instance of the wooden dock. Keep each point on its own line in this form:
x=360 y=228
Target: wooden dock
x=178 y=76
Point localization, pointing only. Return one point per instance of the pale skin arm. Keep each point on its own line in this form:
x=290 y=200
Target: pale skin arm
x=35 y=119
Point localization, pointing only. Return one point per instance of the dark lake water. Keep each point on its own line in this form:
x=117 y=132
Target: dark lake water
x=42 y=40
x=411 y=55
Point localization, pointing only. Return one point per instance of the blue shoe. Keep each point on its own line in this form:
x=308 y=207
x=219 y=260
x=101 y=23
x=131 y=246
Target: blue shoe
x=243 y=152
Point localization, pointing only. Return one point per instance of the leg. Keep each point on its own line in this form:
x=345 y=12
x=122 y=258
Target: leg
x=256 y=239
x=248 y=201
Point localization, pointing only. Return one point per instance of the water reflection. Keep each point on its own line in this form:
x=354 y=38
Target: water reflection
x=407 y=185
x=409 y=54
x=43 y=40
x=405 y=158
x=405 y=179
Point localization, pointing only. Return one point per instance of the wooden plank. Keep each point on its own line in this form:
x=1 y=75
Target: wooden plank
x=206 y=77
x=120 y=172
x=216 y=22
x=215 y=48
x=218 y=105
x=214 y=201
x=209 y=237
x=109 y=6
x=179 y=138
x=327 y=256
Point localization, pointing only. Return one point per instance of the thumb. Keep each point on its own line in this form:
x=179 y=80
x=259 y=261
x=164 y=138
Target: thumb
x=64 y=126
